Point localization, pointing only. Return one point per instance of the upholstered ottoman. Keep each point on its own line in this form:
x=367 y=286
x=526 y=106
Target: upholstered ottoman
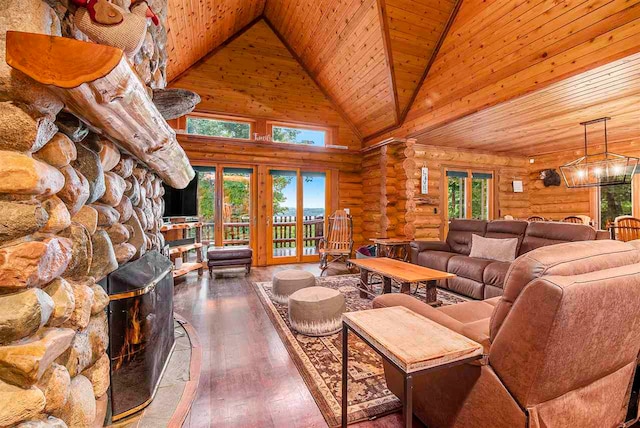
x=287 y=282
x=316 y=311
x=218 y=257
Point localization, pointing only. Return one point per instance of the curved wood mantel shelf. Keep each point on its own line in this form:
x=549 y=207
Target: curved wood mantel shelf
x=98 y=85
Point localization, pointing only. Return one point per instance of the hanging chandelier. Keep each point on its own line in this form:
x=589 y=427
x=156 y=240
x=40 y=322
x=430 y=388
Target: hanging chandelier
x=598 y=169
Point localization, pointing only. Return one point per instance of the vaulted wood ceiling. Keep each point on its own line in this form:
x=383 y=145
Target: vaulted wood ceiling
x=372 y=57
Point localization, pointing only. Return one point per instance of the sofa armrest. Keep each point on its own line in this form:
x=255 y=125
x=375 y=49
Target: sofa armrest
x=418 y=246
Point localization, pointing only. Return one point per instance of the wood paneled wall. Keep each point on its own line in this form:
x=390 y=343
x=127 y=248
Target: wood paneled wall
x=195 y=28
x=342 y=45
x=346 y=181
x=256 y=76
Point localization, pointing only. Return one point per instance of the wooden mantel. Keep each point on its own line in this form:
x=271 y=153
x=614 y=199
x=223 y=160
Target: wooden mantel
x=98 y=85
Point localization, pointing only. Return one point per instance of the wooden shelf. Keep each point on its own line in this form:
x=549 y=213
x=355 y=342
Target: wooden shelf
x=186 y=268
x=179 y=226
x=184 y=248
x=97 y=84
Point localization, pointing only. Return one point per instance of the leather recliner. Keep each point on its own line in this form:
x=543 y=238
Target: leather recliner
x=482 y=278
x=560 y=345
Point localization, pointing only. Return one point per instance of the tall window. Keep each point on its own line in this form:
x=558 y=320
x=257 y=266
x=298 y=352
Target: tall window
x=299 y=135
x=214 y=127
x=469 y=194
x=615 y=201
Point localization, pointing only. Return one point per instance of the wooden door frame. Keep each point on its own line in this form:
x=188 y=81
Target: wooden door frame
x=219 y=200
x=299 y=257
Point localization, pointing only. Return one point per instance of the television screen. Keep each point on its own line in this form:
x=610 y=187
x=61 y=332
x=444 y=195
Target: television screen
x=181 y=202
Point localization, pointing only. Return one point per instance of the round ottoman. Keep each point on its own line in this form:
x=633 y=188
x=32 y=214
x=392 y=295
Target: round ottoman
x=316 y=311
x=287 y=282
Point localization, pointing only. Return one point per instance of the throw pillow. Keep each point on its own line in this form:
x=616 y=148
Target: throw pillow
x=501 y=250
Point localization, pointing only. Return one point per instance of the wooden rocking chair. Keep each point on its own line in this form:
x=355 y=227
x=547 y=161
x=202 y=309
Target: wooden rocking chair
x=337 y=245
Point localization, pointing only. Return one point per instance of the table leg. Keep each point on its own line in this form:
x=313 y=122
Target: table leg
x=407 y=406
x=405 y=288
x=345 y=375
x=431 y=292
x=386 y=285
x=364 y=283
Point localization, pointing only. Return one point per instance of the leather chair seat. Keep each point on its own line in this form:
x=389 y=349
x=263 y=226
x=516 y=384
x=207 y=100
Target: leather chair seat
x=495 y=273
x=468 y=267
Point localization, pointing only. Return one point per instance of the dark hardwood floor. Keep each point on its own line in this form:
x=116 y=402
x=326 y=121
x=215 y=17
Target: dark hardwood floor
x=247 y=378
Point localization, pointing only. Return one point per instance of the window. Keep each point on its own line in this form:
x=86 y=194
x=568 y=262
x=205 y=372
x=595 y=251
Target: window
x=298 y=135
x=469 y=194
x=614 y=201
x=219 y=127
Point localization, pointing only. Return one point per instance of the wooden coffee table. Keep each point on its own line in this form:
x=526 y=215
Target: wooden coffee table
x=411 y=343
x=401 y=272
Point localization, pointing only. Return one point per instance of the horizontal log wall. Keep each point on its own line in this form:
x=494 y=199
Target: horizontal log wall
x=428 y=218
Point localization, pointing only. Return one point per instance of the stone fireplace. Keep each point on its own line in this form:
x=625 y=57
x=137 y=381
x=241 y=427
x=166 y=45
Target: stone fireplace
x=79 y=199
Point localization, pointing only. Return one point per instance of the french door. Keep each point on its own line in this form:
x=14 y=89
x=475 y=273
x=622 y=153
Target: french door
x=469 y=194
x=296 y=214
x=226 y=207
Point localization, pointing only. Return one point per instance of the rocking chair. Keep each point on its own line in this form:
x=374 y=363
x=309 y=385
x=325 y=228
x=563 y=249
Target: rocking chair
x=337 y=246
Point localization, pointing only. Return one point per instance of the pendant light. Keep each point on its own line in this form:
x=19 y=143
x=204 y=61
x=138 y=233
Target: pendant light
x=598 y=169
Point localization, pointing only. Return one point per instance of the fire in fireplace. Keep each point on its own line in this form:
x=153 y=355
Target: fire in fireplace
x=141 y=331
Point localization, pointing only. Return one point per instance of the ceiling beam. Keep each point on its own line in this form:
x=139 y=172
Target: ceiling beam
x=388 y=53
x=312 y=76
x=403 y=114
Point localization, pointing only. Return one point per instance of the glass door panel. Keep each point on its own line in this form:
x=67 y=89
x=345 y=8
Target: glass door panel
x=236 y=206
x=456 y=194
x=480 y=200
x=207 y=203
x=284 y=213
x=314 y=185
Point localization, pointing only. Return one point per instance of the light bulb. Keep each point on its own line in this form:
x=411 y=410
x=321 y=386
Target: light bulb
x=597 y=171
x=581 y=173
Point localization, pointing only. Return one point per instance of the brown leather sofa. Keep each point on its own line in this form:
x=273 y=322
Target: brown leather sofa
x=481 y=278
x=561 y=344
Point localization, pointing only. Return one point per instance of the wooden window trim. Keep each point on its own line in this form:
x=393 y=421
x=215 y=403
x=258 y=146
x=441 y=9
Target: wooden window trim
x=594 y=201
x=182 y=124
x=444 y=207
x=330 y=132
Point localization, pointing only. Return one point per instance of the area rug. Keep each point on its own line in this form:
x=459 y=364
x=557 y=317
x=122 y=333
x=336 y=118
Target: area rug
x=319 y=358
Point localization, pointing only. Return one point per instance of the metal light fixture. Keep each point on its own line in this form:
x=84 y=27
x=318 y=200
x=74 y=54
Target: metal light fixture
x=598 y=169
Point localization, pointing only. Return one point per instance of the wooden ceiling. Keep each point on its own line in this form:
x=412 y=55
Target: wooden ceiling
x=440 y=71
x=548 y=120
x=368 y=55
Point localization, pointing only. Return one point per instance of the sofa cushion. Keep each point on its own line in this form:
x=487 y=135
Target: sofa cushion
x=507 y=229
x=438 y=260
x=466 y=286
x=495 y=273
x=543 y=233
x=229 y=253
x=460 y=231
x=469 y=311
x=498 y=249
x=468 y=267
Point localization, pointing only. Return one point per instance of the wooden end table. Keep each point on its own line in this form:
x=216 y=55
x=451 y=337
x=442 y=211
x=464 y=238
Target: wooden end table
x=392 y=248
x=413 y=344
x=399 y=271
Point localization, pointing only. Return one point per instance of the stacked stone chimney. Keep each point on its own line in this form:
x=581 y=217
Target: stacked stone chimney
x=73 y=207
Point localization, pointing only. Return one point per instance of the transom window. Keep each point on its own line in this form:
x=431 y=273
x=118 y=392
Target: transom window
x=293 y=134
x=219 y=127
x=469 y=194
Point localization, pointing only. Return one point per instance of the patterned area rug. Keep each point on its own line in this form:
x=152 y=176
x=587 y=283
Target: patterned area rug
x=319 y=358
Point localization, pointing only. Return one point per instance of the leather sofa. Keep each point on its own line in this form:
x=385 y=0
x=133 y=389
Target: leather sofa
x=482 y=278
x=560 y=345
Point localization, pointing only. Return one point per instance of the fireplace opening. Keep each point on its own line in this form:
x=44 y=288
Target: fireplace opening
x=141 y=331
